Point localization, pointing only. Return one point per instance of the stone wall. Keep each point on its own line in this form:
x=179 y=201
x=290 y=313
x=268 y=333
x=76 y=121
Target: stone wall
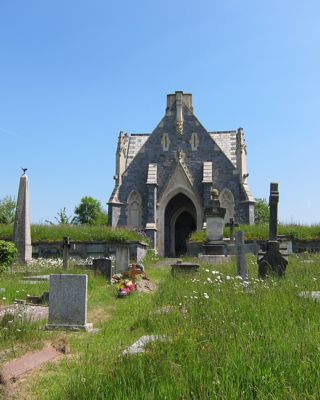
x=87 y=249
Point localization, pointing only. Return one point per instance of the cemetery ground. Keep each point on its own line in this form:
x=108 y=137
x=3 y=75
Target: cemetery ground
x=221 y=338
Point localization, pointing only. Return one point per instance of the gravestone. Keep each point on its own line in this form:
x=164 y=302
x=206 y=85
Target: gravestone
x=273 y=261
x=215 y=250
x=186 y=267
x=241 y=256
x=22 y=229
x=68 y=302
x=122 y=259
x=104 y=266
x=314 y=295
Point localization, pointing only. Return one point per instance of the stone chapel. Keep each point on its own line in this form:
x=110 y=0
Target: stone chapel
x=163 y=179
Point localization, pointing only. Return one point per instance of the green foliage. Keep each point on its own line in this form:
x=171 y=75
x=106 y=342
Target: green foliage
x=77 y=233
x=62 y=218
x=8 y=252
x=7 y=210
x=90 y=212
x=198 y=236
x=261 y=232
x=261 y=211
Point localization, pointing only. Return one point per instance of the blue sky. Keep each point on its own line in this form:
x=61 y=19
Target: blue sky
x=75 y=73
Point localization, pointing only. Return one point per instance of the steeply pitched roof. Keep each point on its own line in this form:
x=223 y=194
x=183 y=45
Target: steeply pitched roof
x=227 y=141
x=136 y=141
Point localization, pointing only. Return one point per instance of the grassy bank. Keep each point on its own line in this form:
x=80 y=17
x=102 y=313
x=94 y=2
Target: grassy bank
x=77 y=233
x=223 y=340
x=261 y=232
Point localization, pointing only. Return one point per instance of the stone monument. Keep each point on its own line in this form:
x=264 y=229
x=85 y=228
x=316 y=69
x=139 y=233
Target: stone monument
x=104 y=266
x=273 y=261
x=215 y=249
x=68 y=303
x=241 y=256
x=22 y=229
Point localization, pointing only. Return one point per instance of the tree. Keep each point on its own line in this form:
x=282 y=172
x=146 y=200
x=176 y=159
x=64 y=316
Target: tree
x=7 y=210
x=90 y=212
x=62 y=218
x=261 y=211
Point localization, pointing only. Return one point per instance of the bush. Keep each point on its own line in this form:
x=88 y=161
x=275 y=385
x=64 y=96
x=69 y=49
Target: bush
x=261 y=211
x=8 y=252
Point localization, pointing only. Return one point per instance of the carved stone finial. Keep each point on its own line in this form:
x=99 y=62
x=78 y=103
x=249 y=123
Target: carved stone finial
x=214 y=194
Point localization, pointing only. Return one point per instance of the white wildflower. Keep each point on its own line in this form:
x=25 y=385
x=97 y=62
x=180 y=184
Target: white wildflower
x=206 y=296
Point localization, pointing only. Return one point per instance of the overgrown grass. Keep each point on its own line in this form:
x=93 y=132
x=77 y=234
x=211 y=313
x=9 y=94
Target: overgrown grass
x=224 y=340
x=77 y=233
x=261 y=232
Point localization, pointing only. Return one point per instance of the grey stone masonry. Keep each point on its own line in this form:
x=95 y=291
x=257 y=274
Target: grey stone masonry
x=241 y=256
x=68 y=302
x=22 y=229
x=122 y=259
x=180 y=157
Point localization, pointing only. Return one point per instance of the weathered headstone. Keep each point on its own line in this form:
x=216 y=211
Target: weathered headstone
x=241 y=256
x=68 y=302
x=187 y=267
x=103 y=265
x=273 y=261
x=22 y=229
x=66 y=247
x=122 y=259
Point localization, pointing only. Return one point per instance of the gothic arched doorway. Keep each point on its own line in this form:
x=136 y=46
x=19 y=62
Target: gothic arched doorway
x=180 y=221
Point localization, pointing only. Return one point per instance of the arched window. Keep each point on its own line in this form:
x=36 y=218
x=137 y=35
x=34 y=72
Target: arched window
x=227 y=201
x=134 y=205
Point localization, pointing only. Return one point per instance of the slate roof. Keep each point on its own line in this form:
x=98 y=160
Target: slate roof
x=136 y=141
x=226 y=140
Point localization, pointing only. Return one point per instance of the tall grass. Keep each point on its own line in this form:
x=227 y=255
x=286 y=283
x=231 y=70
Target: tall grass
x=77 y=233
x=225 y=340
x=261 y=232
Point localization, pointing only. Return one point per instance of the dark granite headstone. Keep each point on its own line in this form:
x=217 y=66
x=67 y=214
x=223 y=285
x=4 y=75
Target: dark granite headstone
x=273 y=260
x=103 y=265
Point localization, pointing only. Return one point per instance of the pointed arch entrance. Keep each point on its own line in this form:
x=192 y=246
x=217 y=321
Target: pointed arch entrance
x=180 y=221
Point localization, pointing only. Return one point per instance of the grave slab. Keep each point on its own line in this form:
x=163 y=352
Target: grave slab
x=314 y=295
x=14 y=369
x=139 y=346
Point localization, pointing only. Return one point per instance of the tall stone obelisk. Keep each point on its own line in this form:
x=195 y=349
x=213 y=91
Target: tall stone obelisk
x=22 y=229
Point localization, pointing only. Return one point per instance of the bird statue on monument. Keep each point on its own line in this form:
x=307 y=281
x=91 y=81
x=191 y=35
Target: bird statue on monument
x=24 y=170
